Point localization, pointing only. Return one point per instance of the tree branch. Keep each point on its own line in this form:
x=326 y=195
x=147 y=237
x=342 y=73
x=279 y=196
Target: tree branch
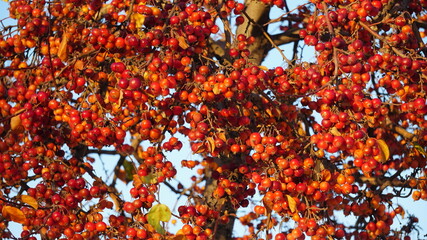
x=381 y=181
x=376 y=35
x=102 y=151
x=111 y=190
x=256 y=14
x=331 y=31
x=400 y=130
x=291 y=35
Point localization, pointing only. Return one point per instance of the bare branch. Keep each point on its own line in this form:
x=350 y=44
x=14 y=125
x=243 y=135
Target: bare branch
x=400 y=130
x=102 y=151
x=267 y=36
x=111 y=190
x=381 y=181
x=167 y=184
x=376 y=35
x=331 y=31
x=286 y=37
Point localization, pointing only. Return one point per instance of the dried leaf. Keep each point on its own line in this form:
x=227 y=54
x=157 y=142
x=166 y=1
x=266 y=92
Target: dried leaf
x=222 y=136
x=201 y=148
x=120 y=98
x=420 y=149
x=79 y=65
x=137 y=182
x=385 y=152
x=301 y=130
x=326 y=175
x=335 y=132
x=30 y=201
x=177 y=237
x=14 y=214
x=121 y=174
x=15 y=122
x=211 y=143
x=105 y=8
x=292 y=203
x=319 y=166
x=182 y=42
x=63 y=48
x=269 y=112
x=216 y=90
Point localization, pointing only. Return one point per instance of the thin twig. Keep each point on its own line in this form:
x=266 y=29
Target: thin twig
x=279 y=19
x=267 y=36
x=417 y=34
x=331 y=31
x=376 y=35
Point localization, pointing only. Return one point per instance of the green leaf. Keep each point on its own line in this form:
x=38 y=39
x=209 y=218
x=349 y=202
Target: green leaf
x=157 y=213
x=129 y=169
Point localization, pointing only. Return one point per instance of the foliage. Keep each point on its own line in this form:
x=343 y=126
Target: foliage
x=343 y=133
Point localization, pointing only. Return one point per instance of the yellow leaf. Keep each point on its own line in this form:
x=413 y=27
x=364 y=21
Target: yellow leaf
x=292 y=203
x=139 y=19
x=15 y=122
x=216 y=90
x=222 y=136
x=63 y=48
x=211 y=143
x=385 y=152
x=263 y=68
x=14 y=214
x=30 y=201
x=159 y=213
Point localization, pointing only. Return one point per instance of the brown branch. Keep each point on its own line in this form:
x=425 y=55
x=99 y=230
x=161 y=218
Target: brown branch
x=267 y=36
x=291 y=35
x=217 y=49
x=376 y=35
x=280 y=18
x=102 y=151
x=381 y=181
x=112 y=192
x=400 y=130
x=417 y=34
x=259 y=14
x=331 y=31
x=177 y=191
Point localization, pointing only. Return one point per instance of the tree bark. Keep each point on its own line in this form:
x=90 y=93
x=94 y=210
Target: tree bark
x=253 y=26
